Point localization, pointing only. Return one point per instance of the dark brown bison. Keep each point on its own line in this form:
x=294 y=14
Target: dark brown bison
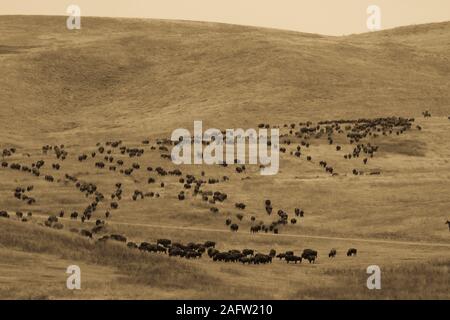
x=234 y=227
x=240 y=206
x=4 y=214
x=351 y=252
x=209 y=244
x=310 y=255
x=164 y=242
x=293 y=258
x=52 y=219
x=332 y=253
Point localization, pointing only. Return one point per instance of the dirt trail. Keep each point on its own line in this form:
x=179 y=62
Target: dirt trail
x=201 y=229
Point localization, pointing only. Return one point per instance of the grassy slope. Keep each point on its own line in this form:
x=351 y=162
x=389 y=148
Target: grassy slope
x=134 y=76
x=129 y=79
x=34 y=260
x=33 y=266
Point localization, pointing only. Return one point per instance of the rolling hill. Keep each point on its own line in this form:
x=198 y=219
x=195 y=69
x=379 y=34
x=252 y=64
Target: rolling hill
x=131 y=80
x=125 y=75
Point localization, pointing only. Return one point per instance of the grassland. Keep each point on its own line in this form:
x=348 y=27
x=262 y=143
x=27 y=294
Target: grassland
x=138 y=79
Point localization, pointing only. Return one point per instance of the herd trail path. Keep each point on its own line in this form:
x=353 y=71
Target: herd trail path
x=202 y=229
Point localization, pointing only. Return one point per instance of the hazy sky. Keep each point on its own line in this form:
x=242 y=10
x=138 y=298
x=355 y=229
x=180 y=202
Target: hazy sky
x=333 y=17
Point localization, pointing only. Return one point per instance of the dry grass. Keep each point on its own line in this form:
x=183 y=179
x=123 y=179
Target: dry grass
x=428 y=280
x=134 y=79
x=68 y=246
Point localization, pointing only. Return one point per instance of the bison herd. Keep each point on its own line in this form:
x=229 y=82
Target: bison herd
x=113 y=155
x=197 y=250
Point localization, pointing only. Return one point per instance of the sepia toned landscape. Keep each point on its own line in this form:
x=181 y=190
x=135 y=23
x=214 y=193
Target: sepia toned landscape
x=86 y=176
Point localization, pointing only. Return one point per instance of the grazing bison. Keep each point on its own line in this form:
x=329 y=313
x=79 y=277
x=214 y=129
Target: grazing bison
x=310 y=258
x=164 y=242
x=209 y=244
x=4 y=214
x=262 y=258
x=144 y=246
x=212 y=252
x=240 y=206
x=247 y=260
x=234 y=227
x=448 y=221
x=310 y=252
x=192 y=254
x=332 y=253
x=281 y=256
x=310 y=255
x=351 y=252
x=176 y=252
x=292 y=258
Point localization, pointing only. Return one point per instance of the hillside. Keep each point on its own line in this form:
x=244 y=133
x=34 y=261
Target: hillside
x=150 y=76
x=86 y=176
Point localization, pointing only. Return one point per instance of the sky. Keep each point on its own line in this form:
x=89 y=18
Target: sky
x=330 y=17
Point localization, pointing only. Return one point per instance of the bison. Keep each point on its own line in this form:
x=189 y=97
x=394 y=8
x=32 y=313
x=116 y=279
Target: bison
x=164 y=242
x=293 y=258
x=4 y=214
x=332 y=253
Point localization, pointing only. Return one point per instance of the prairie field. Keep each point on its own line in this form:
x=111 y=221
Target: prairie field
x=114 y=92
